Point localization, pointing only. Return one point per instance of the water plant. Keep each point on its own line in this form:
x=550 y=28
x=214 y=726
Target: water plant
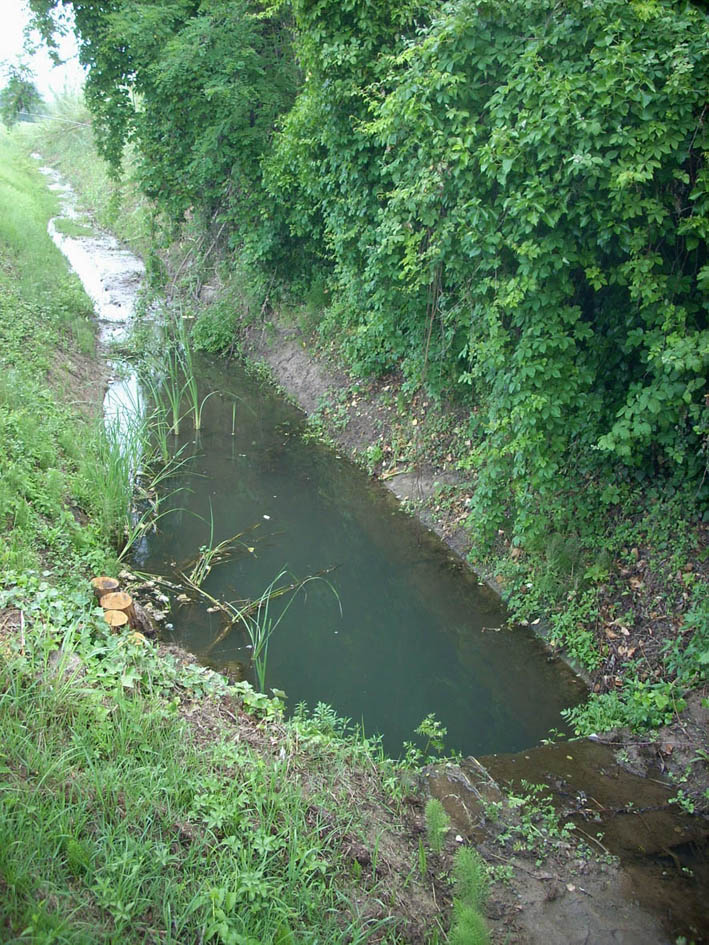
x=211 y=554
x=124 y=475
x=260 y=624
x=172 y=386
x=255 y=616
x=191 y=387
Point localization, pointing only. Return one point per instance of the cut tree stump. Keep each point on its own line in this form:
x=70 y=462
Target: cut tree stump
x=119 y=600
x=116 y=619
x=104 y=585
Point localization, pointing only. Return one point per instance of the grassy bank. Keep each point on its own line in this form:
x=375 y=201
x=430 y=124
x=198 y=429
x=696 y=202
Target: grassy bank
x=48 y=393
x=145 y=800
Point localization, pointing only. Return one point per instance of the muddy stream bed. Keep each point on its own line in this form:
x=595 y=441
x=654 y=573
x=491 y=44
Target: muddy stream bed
x=400 y=630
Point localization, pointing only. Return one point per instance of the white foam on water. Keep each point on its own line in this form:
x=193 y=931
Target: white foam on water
x=111 y=277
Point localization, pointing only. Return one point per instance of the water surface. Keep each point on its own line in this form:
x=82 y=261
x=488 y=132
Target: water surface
x=417 y=633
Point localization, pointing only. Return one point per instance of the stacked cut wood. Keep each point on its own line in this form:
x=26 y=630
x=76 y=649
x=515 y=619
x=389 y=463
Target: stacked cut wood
x=119 y=609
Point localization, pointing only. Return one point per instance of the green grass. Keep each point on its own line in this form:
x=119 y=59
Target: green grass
x=45 y=327
x=66 y=141
x=118 y=822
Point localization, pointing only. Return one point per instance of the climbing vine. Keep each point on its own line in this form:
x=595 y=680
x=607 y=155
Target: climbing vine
x=508 y=199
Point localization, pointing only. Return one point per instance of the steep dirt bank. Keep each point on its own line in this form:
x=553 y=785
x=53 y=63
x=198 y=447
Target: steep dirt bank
x=357 y=416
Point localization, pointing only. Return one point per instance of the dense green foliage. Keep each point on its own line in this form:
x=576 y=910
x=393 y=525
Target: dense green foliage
x=19 y=98
x=508 y=200
x=537 y=230
x=197 y=88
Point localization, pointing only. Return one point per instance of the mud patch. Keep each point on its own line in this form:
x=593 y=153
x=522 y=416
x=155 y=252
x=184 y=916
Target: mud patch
x=558 y=891
x=635 y=816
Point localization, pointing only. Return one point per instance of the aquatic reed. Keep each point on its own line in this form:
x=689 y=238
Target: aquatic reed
x=191 y=387
x=212 y=554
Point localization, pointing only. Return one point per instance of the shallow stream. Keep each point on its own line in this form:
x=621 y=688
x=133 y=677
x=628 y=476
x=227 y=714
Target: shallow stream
x=399 y=629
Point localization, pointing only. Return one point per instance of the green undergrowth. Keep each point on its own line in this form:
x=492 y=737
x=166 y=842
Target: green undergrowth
x=121 y=821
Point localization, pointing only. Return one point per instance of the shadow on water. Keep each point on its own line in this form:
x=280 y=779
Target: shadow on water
x=417 y=633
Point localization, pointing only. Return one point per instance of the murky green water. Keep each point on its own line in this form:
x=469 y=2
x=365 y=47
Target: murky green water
x=416 y=635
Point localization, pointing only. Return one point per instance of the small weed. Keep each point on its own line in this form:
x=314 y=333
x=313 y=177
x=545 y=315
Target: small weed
x=470 y=891
x=538 y=826
x=422 y=860
x=437 y=825
x=434 y=733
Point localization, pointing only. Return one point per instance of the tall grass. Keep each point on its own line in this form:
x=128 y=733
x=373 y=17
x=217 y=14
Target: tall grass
x=125 y=474
x=168 y=372
x=118 y=824
x=188 y=371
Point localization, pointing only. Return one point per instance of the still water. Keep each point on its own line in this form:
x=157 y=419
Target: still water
x=410 y=631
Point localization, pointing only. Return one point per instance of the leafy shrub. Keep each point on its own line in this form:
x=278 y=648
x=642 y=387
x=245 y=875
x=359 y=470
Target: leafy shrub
x=214 y=329
x=507 y=200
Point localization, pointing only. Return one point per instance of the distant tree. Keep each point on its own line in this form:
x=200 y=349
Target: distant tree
x=19 y=98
